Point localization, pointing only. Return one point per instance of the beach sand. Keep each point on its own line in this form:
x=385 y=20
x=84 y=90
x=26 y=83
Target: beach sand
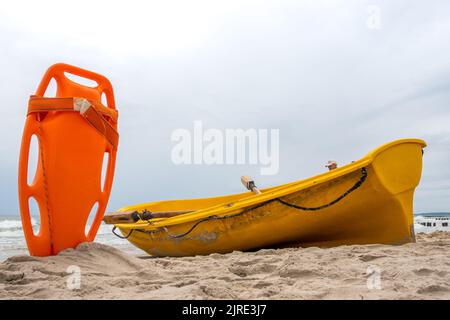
x=413 y=271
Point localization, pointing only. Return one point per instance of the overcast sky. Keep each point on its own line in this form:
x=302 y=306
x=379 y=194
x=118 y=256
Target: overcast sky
x=335 y=84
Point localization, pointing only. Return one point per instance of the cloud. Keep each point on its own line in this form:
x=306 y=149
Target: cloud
x=335 y=88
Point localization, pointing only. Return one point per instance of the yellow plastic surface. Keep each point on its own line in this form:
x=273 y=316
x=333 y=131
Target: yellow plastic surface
x=380 y=211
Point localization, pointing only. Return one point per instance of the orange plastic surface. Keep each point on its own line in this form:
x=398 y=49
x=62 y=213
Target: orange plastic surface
x=67 y=182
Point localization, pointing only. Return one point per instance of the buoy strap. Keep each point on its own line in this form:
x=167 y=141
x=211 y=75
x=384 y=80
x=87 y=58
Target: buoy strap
x=94 y=112
x=43 y=104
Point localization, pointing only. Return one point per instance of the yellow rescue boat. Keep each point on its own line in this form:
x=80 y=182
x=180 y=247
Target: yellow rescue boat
x=366 y=201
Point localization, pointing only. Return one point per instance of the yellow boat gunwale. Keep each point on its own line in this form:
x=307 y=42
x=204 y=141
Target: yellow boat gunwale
x=266 y=195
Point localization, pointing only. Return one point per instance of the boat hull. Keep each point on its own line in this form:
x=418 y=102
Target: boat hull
x=379 y=210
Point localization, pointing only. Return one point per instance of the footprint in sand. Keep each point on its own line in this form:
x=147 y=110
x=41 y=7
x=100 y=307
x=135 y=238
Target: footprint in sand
x=185 y=283
x=370 y=257
x=297 y=273
x=434 y=288
x=239 y=271
x=428 y=272
x=245 y=270
x=262 y=284
x=423 y=272
x=6 y=276
x=269 y=293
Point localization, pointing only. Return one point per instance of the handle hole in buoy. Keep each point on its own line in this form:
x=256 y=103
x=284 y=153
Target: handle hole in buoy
x=91 y=218
x=81 y=80
x=35 y=216
x=33 y=158
x=104 y=100
x=52 y=88
x=104 y=170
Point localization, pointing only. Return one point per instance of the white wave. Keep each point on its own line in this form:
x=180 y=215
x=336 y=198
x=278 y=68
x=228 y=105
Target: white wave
x=105 y=229
x=15 y=227
x=420 y=228
x=9 y=224
x=11 y=233
x=430 y=224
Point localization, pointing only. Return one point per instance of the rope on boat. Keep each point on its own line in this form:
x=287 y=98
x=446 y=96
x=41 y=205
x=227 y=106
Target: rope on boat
x=329 y=204
x=181 y=235
x=119 y=236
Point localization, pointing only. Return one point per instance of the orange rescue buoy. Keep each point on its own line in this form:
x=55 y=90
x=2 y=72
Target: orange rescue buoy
x=74 y=131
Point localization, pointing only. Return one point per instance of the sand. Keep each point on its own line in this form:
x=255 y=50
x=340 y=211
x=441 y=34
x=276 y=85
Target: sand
x=413 y=271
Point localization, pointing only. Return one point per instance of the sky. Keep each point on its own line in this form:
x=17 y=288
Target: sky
x=336 y=78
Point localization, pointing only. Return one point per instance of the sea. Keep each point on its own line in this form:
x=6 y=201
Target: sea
x=12 y=241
